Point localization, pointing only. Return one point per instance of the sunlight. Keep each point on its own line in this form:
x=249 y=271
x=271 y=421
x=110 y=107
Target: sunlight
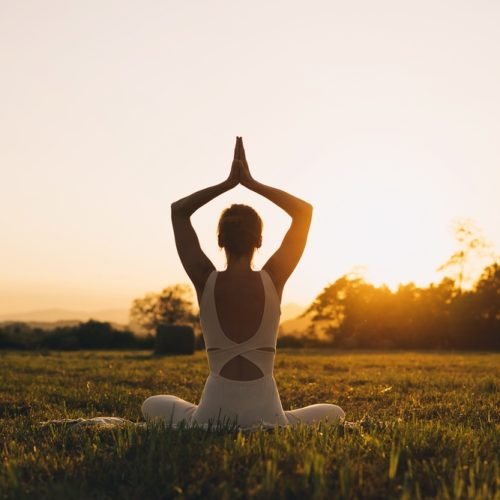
x=381 y=144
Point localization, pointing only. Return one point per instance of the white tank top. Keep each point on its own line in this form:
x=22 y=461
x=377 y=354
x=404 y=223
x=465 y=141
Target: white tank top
x=221 y=349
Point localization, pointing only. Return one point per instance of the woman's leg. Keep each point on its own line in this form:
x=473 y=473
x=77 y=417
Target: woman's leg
x=315 y=413
x=169 y=409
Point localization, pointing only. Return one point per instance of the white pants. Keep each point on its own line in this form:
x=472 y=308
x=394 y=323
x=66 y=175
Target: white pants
x=249 y=403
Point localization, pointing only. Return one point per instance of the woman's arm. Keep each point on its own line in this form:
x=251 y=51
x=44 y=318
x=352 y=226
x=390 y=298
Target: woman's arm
x=282 y=263
x=197 y=265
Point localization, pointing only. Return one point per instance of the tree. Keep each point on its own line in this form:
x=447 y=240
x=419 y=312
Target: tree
x=172 y=306
x=482 y=311
x=340 y=312
x=473 y=247
x=354 y=313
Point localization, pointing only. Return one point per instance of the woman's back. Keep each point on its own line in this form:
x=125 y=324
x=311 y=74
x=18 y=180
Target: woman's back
x=239 y=301
x=240 y=312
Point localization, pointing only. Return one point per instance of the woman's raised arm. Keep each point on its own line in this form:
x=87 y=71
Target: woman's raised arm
x=282 y=263
x=197 y=265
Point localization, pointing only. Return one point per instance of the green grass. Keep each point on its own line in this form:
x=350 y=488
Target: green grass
x=428 y=428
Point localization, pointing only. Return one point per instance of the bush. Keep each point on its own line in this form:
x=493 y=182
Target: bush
x=62 y=339
x=89 y=335
x=174 y=339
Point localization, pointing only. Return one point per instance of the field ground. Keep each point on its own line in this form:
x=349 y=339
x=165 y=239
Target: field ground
x=428 y=426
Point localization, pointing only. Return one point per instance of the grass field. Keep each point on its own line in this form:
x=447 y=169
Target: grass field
x=427 y=427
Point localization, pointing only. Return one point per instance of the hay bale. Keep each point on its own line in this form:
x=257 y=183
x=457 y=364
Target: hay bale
x=174 y=339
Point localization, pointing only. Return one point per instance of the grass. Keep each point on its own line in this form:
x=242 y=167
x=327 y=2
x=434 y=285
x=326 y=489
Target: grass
x=428 y=427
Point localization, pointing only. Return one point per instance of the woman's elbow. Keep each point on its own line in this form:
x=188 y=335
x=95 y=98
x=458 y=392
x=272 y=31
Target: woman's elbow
x=308 y=210
x=177 y=208
x=303 y=213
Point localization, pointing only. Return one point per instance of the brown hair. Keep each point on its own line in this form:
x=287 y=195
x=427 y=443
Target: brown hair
x=239 y=230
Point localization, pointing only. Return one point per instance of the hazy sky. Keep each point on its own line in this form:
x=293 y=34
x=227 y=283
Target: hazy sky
x=384 y=115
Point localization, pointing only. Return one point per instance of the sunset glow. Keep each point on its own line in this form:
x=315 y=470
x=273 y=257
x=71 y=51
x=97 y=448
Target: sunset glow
x=383 y=116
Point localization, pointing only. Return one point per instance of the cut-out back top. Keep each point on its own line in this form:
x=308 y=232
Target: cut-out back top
x=221 y=349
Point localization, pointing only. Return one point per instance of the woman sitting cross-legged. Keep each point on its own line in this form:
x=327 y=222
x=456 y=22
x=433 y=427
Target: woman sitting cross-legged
x=239 y=310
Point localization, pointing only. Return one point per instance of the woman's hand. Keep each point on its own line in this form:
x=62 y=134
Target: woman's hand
x=235 y=174
x=240 y=173
x=246 y=178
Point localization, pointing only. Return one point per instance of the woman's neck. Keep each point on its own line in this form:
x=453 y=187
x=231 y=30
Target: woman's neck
x=239 y=265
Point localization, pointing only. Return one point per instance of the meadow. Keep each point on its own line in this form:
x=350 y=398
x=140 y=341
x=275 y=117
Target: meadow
x=422 y=425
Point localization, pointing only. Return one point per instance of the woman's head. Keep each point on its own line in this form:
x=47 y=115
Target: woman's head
x=240 y=230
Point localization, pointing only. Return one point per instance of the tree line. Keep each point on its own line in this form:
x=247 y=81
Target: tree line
x=351 y=313
x=457 y=313
x=88 y=335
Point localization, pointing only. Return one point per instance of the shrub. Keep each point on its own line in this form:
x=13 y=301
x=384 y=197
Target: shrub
x=174 y=339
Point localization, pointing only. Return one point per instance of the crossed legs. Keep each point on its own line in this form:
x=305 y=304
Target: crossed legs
x=173 y=410
x=312 y=414
x=169 y=409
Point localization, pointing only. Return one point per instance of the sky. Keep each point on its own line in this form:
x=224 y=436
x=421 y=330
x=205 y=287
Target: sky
x=383 y=115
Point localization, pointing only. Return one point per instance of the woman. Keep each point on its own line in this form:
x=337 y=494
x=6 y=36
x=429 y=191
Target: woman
x=239 y=310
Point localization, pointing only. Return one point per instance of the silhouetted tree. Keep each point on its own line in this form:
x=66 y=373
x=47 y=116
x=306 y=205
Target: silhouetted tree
x=172 y=306
x=342 y=310
x=472 y=247
x=488 y=299
x=354 y=313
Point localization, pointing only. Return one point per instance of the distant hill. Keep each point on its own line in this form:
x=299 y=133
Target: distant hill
x=291 y=322
x=291 y=311
x=119 y=316
x=296 y=325
x=43 y=325
x=50 y=318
